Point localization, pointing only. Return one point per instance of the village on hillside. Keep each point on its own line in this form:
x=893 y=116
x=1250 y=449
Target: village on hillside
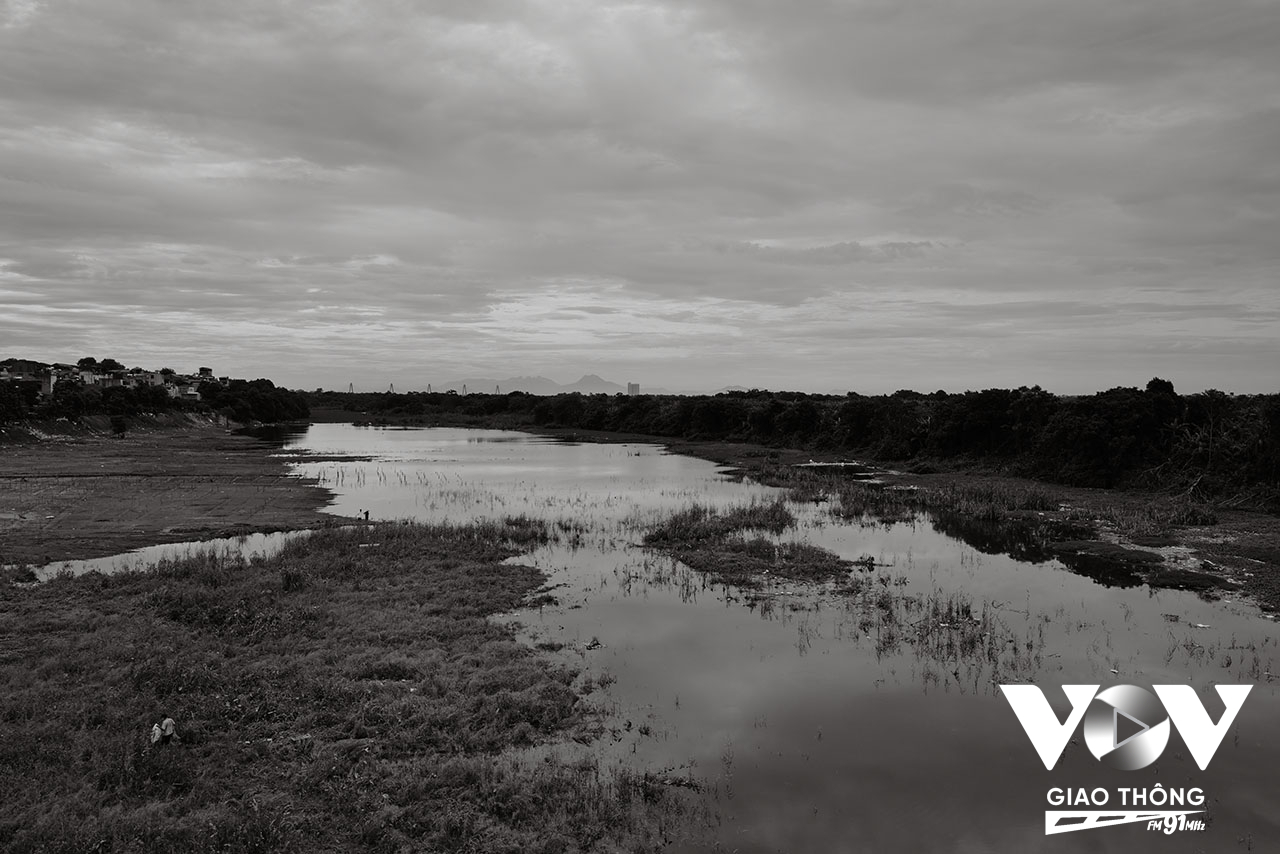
x=37 y=391
x=41 y=379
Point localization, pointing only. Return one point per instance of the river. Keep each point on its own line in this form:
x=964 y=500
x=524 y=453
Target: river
x=809 y=729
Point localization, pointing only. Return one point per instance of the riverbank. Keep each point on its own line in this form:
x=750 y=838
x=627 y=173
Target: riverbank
x=84 y=494
x=347 y=694
x=1116 y=536
x=1112 y=534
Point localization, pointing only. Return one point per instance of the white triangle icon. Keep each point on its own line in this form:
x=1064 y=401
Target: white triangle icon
x=1115 y=727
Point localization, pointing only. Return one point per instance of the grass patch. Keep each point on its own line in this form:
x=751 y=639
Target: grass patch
x=747 y=563
x=1156 y=518
x=714 y=542
x=982 y=501
x=951 y=636
x=699 y=523
x=348 y=694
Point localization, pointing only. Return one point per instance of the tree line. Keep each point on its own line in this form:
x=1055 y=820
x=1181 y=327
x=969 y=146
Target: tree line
x=240 y=400
x=1213 y=443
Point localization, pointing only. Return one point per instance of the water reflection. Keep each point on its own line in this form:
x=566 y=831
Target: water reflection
x=812 y=729
x=1068 y=544
x=838 y=718
x=247 y=546
x=276 y=435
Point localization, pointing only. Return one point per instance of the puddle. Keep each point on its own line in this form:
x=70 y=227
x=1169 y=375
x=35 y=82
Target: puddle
x=246 y=546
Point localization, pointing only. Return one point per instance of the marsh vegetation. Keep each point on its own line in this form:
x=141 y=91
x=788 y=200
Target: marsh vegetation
x=584 y=647
x=348 y=693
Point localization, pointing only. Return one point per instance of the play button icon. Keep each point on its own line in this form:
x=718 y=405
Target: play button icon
x=1126 y=727
x=1125 y=724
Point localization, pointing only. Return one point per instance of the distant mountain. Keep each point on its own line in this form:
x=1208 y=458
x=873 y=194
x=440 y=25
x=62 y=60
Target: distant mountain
x=589 y=384
x=592 y=384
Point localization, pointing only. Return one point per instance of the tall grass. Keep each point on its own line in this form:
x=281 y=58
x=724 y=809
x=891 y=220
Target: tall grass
x=347 y=694
x=699 y=523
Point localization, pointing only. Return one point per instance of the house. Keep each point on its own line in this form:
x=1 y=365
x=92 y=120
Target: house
x=21 y=369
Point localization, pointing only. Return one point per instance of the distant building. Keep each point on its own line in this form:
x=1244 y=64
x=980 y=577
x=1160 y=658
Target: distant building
x=24 y=369
x=206 y=373
x=633 y=389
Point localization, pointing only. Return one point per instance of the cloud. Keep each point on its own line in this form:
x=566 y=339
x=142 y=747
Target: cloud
x=994 y=191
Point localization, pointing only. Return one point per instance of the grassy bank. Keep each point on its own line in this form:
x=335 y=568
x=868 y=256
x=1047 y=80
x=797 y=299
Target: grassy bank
x=1114 y=538
x=348 y=694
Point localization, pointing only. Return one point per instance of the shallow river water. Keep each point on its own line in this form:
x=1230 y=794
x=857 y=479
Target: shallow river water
x=809 y=726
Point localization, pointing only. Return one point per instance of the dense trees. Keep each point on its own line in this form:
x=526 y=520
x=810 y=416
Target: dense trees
x=254 y=400
x=17 y=399
x=257 y=400
x=1211 y=442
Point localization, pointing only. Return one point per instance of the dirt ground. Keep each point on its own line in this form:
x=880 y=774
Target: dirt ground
x=84 y=496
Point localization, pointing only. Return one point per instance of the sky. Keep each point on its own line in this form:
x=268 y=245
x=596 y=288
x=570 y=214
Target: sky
x=824 y=195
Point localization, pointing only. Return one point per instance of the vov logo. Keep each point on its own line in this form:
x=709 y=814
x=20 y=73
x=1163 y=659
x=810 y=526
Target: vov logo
x=1125 y=726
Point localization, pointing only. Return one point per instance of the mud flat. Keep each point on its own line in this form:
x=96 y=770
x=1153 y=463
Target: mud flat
x=85 y=496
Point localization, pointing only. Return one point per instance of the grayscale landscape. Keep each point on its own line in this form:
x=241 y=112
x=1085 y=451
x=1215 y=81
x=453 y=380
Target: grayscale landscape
x=495 y=427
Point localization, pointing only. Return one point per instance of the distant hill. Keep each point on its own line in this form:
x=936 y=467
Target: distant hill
x=589 y=384
x=592 y=384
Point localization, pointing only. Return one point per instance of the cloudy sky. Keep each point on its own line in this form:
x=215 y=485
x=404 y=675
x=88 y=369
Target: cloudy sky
x=828 y=194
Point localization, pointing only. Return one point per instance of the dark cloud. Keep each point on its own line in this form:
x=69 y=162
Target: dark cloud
x=722 y=191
